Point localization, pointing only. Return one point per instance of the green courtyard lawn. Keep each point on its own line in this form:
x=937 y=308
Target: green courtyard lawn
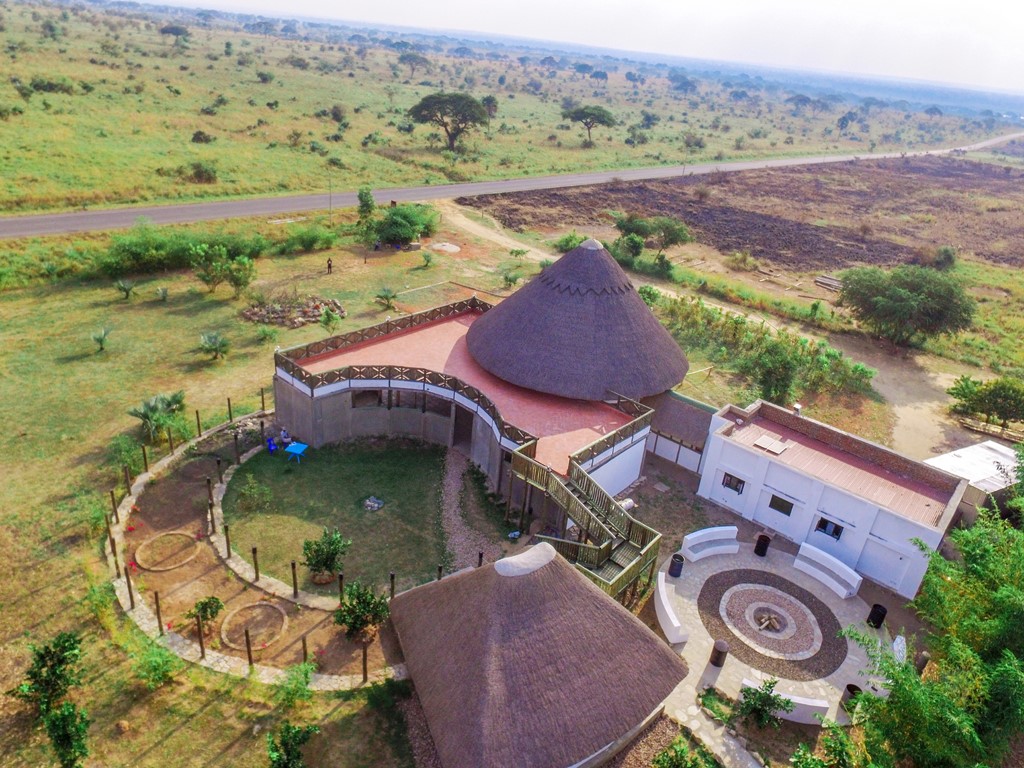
x=327 y=490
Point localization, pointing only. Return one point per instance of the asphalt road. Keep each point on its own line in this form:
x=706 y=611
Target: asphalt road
x=181 y=213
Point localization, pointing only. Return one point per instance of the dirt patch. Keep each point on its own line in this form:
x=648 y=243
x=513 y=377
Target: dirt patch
x=807 y=218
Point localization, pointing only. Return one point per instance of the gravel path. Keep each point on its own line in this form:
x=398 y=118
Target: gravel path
x=464 y=543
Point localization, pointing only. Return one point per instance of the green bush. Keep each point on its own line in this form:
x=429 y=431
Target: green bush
x=362 y=612
x=146 y=248
x=67 y=728
x=266 y=334
x=125 y=451
x=155 y=665
x=254 y=497
x=160 y=413
x=206 y=608
x=324 y=555
x=762 y=705
x=295 y=686
x=568 y=241
x=314 y=237
x=285 y=751
x=53 y=672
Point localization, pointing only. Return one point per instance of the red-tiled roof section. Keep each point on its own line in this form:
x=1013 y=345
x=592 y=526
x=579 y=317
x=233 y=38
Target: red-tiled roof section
x=878 y=478
x=562 y=426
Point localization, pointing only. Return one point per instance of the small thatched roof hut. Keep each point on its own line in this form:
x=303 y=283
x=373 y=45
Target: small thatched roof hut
x=525 y=662
x=578 y=330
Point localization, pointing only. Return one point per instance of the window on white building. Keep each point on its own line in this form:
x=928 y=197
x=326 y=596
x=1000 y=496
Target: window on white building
x=733 y=483
x=829 y=528
x=782 y=505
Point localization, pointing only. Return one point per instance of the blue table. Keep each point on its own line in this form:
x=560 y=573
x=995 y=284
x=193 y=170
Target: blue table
x=296 y=450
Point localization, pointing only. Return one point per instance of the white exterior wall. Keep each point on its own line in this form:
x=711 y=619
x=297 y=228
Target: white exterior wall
x=667 y=448
x=620 y=472
x=875 y=542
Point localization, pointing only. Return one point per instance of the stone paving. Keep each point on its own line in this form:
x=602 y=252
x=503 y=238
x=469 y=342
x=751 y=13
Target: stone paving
x=682 y=704
x=188 y=650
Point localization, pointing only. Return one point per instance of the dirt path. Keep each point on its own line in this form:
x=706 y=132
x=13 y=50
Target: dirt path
x=913 y=388
x=463 y=542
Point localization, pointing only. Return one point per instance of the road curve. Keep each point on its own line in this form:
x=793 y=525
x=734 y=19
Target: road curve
x=120 y=218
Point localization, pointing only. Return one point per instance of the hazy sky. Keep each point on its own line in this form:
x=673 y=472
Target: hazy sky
x=977 y=43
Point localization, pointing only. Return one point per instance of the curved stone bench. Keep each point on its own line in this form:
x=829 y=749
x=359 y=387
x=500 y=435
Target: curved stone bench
x=667 y=618
x=804 y=709
x=833 y=573
x=720 y=540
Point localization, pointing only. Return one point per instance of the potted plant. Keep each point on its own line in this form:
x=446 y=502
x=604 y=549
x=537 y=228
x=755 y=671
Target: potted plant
x=323 y=556
x=207 y=609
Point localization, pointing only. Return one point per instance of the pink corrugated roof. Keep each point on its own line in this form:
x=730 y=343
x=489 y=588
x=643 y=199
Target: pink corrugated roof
x=909 y=498
x=562 y=426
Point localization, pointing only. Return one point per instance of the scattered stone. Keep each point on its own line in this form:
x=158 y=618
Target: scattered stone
x=373 y=504
x=291 y=312
x=661 y=488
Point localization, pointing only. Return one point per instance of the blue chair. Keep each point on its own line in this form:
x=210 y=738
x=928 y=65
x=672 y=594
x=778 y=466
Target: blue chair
x=271 y=446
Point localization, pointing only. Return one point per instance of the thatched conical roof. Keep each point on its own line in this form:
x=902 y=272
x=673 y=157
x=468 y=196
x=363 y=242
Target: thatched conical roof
x=525 y=662
x=578 y=330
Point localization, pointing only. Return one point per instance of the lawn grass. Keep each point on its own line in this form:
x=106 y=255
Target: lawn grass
x=327 y=490
x=125 y=131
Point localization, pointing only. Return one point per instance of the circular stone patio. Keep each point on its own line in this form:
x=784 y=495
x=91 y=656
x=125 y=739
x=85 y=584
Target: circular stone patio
x=779 y=622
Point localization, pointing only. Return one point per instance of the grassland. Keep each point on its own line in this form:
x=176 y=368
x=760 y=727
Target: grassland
x=117 y=107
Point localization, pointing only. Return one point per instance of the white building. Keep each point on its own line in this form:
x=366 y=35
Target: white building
x=857 y=501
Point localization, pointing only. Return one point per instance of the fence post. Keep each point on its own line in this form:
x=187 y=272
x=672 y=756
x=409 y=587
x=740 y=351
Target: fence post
x=199 y=425
x=113 y=505
x=127 y=480
x=439 y=569
x=248 y=648
x=341 y=588
x=159 y=618
x=227 y=542
x=170 y=440
x=220 y=472
x=263 y=432
x=263 y=400
x=113 y=551
x=366 y=673
x=305 y=651
x=392 y=578
x=295 y=583
x=256 y=563
x=128 y=583
x=202 y=643
x=231 y=416
x=145 y=460
x=479 y=559
x=238 y=455
x=209 y=490
x=213 y=523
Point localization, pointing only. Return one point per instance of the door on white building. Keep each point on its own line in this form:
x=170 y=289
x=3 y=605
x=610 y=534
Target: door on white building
x=882 y=564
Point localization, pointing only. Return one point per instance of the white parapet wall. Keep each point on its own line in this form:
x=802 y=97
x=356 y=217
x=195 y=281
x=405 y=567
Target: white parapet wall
x=667 y=618
x=831 y=572
x=720 y=540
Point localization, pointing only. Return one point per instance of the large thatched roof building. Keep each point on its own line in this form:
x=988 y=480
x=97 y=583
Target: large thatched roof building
x=525 y=662
x=578 y=330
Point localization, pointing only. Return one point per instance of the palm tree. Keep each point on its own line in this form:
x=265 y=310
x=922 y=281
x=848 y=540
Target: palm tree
x=100 y=337
x=214 y=344
x=157 y=413
x=386 y=297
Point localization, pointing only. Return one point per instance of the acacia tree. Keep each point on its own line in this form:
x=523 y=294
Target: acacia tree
x=412 y=60
x=589 y=117
x=908 y=304
x=453 y=113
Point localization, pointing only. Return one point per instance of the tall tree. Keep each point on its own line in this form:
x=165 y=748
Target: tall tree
x=413 y=60
x=907 y=304
x=589 y=117
x=453 y=113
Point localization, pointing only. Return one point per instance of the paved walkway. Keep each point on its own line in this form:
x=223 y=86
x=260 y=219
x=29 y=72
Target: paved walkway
x=682 y=704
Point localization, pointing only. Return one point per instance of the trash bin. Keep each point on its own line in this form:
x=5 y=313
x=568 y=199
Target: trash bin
x=719 y=653
x=675 y=568
x=877 y=615
x=761 y=545
x=848 y=695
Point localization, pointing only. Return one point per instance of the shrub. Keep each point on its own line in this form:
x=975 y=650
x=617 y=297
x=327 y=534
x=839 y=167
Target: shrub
x=568 y=241
x=202 y=137
x=266 y=334
x=295 y=686
x=214 y=345
x=329 y=320
x=161 y=294
x=649 y=294
x=206 y=608
x=679 y=754
x=254 y=497
x=402 y=224
x=100 y=337
x=324 y=555
x=67 y=728
x=362 y=612
x=145 y=248
x=125 y=451
x=386 y=297
x=285 y=751
x=240 y=274
x=509 y=278
x=126 y=287
x=160 y=413
x=518 y=253
x=155 y=665
x=760 y=705
x=265 y=77
x=314 y=237
x=53 y=672
x=428 y=259
x=741 y=261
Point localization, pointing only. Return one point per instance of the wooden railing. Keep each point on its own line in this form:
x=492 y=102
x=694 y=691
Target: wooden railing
x=403 y=323
x=642 y=417
x=587 y=555
x=539 y=476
